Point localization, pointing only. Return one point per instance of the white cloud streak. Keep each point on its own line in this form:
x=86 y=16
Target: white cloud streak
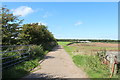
x=78 y=23
x=47 y=14
x=22 y=11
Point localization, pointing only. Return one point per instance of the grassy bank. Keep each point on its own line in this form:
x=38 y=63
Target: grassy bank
x=36 y=54
x=20 y=70
x=92 y=66
x=89 y=63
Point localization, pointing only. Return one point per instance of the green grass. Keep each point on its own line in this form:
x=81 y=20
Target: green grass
x=69 y=49
x=20 y=70
x=89 y=63
x=63 y=43
x=92 y=66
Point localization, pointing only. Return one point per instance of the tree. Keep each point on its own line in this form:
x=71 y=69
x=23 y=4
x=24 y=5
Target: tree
x=10 y=27
x=37 y=34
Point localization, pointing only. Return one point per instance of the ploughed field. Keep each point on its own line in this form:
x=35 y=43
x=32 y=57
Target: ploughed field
x=93 y=48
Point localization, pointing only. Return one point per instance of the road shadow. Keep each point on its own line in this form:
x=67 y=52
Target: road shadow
x=57 y=47
x=47 y=57
x=41 y=76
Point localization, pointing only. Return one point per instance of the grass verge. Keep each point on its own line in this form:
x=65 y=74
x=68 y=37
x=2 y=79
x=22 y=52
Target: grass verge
x=89 y=63
x=92 y=65
x=20 y=70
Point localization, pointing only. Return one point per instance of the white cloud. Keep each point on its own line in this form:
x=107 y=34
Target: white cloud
x=78 y=23
x=22 y=11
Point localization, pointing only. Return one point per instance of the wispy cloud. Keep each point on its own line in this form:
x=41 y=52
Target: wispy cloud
x=22 y=11
x=78 y=23
x=47 y=14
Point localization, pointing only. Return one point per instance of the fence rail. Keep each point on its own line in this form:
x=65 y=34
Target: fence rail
x=13 y=57
x=14 y=63
x=14 y=60
x=13 y=51
x=12 y=45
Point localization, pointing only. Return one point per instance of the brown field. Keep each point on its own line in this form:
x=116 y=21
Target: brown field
x=92 y=48
x=100 y=44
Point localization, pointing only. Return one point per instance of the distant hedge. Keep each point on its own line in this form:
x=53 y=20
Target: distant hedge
x=92 y=40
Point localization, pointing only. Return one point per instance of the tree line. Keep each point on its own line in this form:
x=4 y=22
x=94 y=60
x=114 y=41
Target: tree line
x=92 y=40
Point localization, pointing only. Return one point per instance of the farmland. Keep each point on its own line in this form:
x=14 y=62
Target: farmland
x=83 y=55
x=93 y=48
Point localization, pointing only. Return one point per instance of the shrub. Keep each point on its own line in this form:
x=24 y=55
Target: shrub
x=36 y=51
x=36 y=34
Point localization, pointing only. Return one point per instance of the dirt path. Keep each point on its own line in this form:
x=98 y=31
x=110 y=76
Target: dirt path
x=58 y=64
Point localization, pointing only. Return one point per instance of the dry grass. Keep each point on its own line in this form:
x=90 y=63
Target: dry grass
x=93 y=48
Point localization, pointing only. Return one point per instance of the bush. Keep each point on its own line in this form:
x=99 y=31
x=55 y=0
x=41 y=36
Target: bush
x=49 y=45
x=36 y=34
x=36 y=51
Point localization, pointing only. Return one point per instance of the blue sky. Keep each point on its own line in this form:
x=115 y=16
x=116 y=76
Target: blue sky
x=71 y=20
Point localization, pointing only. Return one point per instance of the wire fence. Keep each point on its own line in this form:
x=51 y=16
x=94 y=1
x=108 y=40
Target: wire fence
x=14 y=54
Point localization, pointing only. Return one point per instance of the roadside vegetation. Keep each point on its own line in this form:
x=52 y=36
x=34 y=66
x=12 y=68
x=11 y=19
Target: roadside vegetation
x=37 y=36
x=85 y=58
x=92 y=66
x=37 y=53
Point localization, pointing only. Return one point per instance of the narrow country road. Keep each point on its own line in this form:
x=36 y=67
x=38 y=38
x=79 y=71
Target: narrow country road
x=58 y=64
